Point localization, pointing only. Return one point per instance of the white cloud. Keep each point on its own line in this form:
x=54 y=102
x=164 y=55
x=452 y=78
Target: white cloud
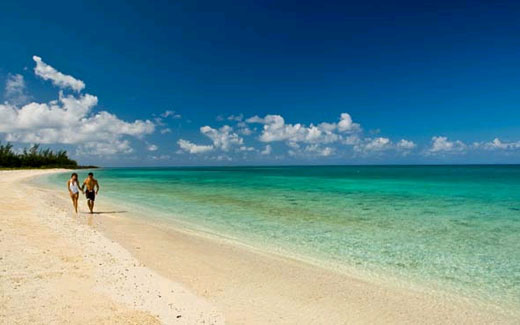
x=267 y=150
x=352 y=140
x=152 y=147
x=376 y=144
x=243 y=129
x=223 y=138
x=193 y=148
x=15 y=93
x=255 y=119
x=379 y=144
x=275 y=129
x=497 y=144
x=345 y=124
x=310 y=150
x=171 y=114
x=69 y=120
x=318 y=150
x=59 y=79
x=405 y=144
x=317 y=139
x=246 y=148
x=166 y=130
x=442 y=144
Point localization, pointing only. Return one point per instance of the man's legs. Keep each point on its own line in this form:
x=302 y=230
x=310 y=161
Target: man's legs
x=90 y=204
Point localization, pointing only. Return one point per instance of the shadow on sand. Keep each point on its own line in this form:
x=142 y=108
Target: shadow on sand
x=105 y=212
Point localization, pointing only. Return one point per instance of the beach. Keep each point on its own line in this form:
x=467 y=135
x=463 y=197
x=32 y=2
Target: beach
x=114 y=268
x=57 y=270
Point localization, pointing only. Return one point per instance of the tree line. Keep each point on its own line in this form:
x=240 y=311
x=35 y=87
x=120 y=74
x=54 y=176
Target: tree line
x=34 y=157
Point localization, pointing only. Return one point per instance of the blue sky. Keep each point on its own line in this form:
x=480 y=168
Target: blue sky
x=420 y=83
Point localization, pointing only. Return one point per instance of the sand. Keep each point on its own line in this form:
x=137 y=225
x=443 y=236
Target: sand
x=57 y=270
x=116 y=268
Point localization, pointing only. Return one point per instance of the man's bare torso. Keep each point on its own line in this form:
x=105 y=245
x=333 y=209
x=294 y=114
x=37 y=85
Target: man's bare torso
x=90 y=183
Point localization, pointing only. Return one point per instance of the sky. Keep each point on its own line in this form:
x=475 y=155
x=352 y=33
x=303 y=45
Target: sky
x=154 y=83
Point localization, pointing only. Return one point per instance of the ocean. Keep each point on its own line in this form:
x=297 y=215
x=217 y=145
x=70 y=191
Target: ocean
x=456 y=228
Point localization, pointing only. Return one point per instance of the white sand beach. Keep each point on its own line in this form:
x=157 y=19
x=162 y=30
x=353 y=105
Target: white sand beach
x=59 y=268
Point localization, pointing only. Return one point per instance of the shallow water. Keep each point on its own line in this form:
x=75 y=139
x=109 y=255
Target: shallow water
x=456 y=227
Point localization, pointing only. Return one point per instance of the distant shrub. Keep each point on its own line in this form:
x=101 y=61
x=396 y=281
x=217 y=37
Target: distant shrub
x=34 y=157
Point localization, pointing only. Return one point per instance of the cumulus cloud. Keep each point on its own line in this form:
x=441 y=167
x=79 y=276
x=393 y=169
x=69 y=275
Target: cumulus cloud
x=318 y=139
x=66 y=121
x=255 y=119
x=267 y=150
x=15 y=90
x=377 y=144
x=275 y=129
x=345 y=124
x=441 y=144
x=310 y=150
x=245 y=131
x=193 y=148
x=223 y=138
x=246 y=148
x=69 y=120
x=46 y=72
x=320 y=151
x=497 y=144
x=152 y=147
x=351 y=140
x=405 y=144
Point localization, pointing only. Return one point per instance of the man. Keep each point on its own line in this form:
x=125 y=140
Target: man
x=92 y=190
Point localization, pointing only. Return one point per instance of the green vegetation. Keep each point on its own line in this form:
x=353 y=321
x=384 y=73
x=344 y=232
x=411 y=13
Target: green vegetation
x=34 y=157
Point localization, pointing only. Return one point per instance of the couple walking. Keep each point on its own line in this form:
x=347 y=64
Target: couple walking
x=92 y=189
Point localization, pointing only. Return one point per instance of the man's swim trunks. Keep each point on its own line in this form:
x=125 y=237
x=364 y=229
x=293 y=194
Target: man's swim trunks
x=91 y=195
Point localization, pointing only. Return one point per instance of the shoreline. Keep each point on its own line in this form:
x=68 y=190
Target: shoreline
x=149 y=217
x=392 y=281
x=177 y=227
x=255 y=287
x=228 y=273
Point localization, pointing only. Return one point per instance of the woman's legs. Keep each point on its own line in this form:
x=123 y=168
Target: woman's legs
x=74 y=198
x=76 y=203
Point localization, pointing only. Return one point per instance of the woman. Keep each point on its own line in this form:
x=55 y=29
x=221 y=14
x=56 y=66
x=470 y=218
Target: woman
x=73 y=187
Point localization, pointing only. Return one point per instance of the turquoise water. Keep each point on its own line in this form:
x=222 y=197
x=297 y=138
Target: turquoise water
x=455 y=227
